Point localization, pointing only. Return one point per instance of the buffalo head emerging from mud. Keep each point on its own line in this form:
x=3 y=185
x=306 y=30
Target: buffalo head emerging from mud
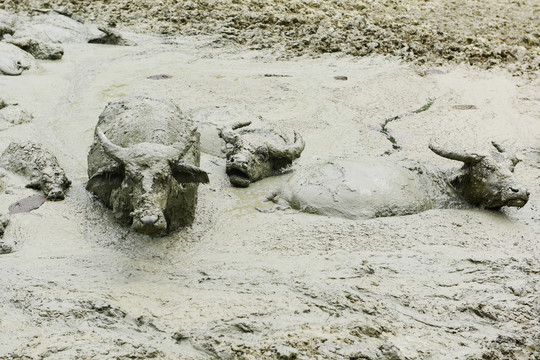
x=486 y=180
x=144 y=164
x=376 y=188
x=255 y=153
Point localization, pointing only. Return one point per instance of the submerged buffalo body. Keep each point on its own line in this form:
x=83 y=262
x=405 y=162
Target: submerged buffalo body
x=144 y=164
x=375 y=188
x=254 y=153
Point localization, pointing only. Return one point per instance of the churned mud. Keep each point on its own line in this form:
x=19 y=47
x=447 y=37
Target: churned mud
x=247 y=283
x=483 y=33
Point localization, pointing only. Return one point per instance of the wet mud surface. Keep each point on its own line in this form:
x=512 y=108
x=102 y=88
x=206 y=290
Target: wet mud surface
x=483 y=33
x=250 y=284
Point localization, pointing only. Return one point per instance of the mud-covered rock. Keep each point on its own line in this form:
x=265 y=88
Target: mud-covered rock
x=110 y=37
x=12 y=114
x=7 y=24
x=53 y=27
x=39 y=50
x=13 y=60
x=39 y=165
x=4 y=248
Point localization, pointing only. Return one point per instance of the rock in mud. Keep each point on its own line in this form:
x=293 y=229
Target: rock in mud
x=27 y=204
x=159 y=77
x=39 y=165
x=12 y=114
x=7 y=24
x=110 y=37
x=4 y=248
x=4 y=222
x=13 y=61
x=53 y=27
x=39 y=50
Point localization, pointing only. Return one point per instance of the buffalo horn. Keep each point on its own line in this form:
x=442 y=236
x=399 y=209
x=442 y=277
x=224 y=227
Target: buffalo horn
x=229 y=136
x=456 y=155
x=509 y=154
x=116 y=152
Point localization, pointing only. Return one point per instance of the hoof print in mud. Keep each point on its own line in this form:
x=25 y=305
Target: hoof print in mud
x=39 y=165
x=255 y=153
x=144 y=164
x=375 y=188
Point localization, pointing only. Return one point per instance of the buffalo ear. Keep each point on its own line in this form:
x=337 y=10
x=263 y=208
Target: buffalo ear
x=185 y=173
x=105 y=180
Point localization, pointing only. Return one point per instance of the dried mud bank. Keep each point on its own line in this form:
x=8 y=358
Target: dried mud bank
x=483 y=33
x=245 y=283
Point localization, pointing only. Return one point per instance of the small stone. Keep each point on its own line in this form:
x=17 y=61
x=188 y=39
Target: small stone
x=464 y=107
x=180 y=335
x=5 y=249
x=159 y=77
x=285 y=352
x=27 y=204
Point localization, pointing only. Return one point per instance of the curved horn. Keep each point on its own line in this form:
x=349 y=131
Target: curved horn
x=456 y=155
x=292 y=151
x=229 y=135
x=508 y=154
x=240 y=124
x=116 y=152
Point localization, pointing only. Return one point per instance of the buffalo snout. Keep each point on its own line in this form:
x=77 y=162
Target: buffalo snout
x=150 y=224
x=518 y=196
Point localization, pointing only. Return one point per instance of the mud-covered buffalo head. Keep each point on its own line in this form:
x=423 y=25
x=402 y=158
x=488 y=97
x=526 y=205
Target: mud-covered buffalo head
x=146 y=186
x=487 y=180
x=254 y=153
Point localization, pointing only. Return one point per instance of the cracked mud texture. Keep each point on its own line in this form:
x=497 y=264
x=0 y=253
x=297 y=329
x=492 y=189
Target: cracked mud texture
x=483 y=33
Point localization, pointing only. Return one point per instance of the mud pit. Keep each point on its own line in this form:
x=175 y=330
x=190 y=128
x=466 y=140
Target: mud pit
x=245 y=283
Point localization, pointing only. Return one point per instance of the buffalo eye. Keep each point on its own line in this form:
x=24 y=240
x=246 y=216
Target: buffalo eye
x=262 y=151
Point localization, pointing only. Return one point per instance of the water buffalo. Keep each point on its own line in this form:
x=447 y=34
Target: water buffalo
x=378 y=188
x=255 y=153
x=40 y=165
x=144 y=164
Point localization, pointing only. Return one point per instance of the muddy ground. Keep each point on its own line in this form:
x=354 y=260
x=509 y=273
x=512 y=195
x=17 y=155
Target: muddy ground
x=483 y=33
x=245 y=283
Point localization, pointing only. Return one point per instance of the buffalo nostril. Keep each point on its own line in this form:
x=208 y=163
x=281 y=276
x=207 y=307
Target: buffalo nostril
x=514 y=189
x=149 y=220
